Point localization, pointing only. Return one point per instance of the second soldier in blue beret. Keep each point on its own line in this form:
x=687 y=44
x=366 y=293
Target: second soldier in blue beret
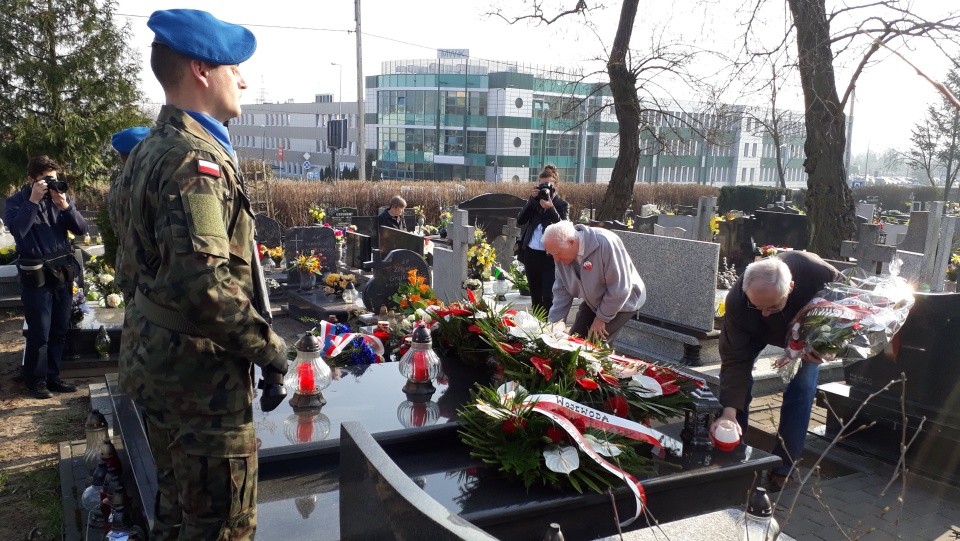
x=186 y=260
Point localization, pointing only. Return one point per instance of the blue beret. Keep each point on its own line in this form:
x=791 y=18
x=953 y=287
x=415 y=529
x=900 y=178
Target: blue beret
x=197 y=34
x=124 y=141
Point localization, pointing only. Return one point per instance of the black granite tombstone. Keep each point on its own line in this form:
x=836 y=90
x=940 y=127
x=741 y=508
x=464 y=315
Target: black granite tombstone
x=389 y=274
x=393 y=239
x=341 y=217
x=303 y=240
x=367 y=225
x=491 y=210
x=925 y=350
x=378 y=500
x=300 y=473
x=645 y=224
x=269 y=232
x=780 y=229
x=359 y=249
x=736 y=242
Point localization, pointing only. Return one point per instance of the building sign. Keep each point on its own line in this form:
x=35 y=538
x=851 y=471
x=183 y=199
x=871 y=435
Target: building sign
x=453 y=53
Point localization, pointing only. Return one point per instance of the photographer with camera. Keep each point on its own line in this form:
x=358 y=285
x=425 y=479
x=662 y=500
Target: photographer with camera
x=544 y=207
x=39 y=217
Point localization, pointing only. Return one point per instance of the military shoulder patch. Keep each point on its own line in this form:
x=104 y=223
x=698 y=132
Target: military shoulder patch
x=206 y=215
x=208 y=168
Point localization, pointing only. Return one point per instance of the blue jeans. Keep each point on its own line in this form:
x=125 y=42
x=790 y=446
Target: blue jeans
x=47 y=313
x=794 y=415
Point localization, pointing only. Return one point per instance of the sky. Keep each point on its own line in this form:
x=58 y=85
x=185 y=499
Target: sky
x=298 y=40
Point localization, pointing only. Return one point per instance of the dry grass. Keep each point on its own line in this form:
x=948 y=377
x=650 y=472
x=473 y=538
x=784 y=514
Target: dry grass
x=293 y=198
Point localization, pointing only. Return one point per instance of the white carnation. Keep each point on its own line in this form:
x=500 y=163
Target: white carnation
x=114 y=300
x=106 y=278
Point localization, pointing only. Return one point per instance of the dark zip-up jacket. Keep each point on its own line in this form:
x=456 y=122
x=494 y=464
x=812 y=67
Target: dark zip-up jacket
x=746 y=332
x=40 y=229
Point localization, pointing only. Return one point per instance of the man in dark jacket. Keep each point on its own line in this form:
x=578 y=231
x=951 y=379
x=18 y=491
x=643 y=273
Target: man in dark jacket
x=39 y=217
x=536 y=215
x=392 y=216
x=759 y=310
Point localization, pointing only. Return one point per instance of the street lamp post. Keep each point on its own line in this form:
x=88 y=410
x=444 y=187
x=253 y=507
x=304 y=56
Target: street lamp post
x=340 y=92
x=333 y=153
x=544 y=107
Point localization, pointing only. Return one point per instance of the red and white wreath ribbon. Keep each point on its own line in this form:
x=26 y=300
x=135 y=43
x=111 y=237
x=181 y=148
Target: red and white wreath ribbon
x=341 y=341
x=561 y=410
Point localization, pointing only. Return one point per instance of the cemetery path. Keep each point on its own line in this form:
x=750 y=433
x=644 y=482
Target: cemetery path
x=30 y=430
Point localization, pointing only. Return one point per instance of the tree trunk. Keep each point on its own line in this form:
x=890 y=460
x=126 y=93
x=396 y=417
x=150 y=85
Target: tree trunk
x=623 y=86
x=829 y=201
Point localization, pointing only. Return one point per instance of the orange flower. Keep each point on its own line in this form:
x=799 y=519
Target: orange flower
x=424 y=288
x=415 y=298
x=403 y=303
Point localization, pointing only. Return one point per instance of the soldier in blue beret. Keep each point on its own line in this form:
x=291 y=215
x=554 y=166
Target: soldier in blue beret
x=124 y=141
x=191 y=334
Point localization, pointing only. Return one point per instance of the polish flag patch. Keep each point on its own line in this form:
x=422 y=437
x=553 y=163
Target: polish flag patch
x=208 y=168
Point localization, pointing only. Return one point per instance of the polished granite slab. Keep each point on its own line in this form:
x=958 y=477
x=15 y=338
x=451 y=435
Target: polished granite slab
x=299 y=491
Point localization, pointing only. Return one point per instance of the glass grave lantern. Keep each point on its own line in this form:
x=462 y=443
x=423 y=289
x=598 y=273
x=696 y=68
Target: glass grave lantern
x=350 y=294
x=418 y=410
x=309 y=375
x=102 y=343
x=306 y=425
x=501 y=287
x=699 y=417
x=95 y=429
x=420 y=364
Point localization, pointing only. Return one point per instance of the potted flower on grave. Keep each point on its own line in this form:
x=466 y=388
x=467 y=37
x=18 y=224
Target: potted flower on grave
x=950 y=284
x=445 y=217
x=335 y=283
x=480 y=256
x=414 y=294
x=8 y=254
x=517 y=275
x=317 y=213
x=309 y=266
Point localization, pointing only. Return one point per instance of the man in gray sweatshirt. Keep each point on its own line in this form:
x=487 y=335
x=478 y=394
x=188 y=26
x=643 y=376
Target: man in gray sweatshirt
x=592 y=264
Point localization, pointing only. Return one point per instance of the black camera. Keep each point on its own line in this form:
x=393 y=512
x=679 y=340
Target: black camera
x=55 y=184
x=547 y=190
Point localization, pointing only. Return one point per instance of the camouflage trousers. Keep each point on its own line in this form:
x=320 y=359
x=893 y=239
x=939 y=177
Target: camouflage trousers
x=206 y=476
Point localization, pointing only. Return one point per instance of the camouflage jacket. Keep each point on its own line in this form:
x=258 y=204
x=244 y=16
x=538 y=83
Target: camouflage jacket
x=186 y=244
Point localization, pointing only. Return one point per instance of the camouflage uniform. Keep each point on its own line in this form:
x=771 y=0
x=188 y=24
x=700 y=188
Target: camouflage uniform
x=190 y=332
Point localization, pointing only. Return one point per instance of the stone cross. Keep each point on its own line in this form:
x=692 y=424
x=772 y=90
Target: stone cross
x=872 y=257
x=505 y=243
x=937 y=271
x=462 y=236
x=705 y=213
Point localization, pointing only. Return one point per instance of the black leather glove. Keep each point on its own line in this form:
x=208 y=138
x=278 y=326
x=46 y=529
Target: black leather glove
x=272 y=385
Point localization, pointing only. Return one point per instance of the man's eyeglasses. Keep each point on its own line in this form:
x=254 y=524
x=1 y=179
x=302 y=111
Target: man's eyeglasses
x=772 y=310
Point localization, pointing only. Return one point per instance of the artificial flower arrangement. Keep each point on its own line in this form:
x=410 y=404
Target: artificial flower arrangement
x=952 y=267
x=715 y=224
x=336 y=283
x=517 y=275
x=101 y=284
x=445 y=217
x=768 y=250
x=567 y=413
x=457 y=333
x=414 y=294
x=79 y=309
x=311 y=262
x=8 y=254
x=343 y=347
x=481 y=255
x=317 y=213
x=276 y=254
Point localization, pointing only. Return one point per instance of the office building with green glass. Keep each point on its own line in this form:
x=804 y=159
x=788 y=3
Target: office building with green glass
x=469 y=119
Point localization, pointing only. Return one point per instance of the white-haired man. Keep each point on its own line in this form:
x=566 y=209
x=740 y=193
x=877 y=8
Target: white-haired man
x=759 y=309
x=592 y=264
